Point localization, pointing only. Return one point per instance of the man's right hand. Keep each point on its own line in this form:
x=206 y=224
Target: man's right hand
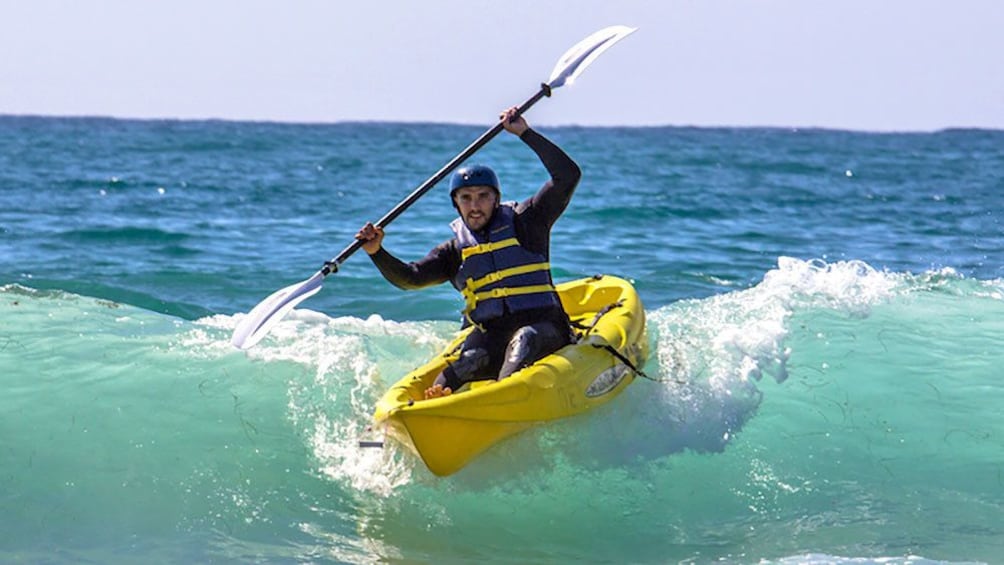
x=371 y=236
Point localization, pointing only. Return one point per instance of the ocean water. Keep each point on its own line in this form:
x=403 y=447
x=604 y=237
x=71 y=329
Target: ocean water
x=825 y=308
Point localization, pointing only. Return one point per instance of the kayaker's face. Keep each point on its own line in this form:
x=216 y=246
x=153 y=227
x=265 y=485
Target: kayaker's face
x=476 y=205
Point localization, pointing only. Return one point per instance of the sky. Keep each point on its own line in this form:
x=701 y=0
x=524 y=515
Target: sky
x=874 y=65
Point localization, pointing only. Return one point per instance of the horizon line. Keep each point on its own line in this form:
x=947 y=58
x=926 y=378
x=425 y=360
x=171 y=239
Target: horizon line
x=793 y=128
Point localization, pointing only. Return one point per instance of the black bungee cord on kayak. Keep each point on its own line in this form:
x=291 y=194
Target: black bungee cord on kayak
x=632 y=366
x=586 y=328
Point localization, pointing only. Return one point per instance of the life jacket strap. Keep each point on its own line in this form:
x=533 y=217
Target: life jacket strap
x=473 y=285
x=472 y=298
x=487 y=247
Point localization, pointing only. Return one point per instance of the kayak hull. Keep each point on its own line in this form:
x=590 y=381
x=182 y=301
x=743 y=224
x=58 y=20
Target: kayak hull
x=448 y=432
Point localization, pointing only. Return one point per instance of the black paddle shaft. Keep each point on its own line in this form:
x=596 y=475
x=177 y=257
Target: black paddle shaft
x=332 y=265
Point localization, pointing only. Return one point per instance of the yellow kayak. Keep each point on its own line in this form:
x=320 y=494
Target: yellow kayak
x=448 y=432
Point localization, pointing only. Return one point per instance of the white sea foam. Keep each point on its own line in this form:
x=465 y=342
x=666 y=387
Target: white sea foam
x=712 y=352
x=349 y=362
x=737 y=336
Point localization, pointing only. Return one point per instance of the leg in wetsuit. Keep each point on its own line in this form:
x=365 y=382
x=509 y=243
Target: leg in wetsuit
x=497 y=354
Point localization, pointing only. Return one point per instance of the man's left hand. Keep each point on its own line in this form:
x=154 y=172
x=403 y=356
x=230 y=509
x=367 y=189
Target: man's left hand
x=512 y=123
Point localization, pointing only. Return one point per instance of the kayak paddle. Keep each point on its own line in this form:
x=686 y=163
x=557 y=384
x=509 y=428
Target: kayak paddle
x=253 y=327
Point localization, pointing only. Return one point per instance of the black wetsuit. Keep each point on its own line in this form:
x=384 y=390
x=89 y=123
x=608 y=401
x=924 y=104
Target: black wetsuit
x=514 y=340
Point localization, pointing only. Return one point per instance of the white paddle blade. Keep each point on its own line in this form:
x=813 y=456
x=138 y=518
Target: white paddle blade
x=576 y=59
x=270 y=311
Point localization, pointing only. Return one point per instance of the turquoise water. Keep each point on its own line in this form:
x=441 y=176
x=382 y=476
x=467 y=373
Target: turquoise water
x=825 y=310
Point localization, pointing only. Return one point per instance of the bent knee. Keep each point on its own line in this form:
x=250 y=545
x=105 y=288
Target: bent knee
x=523 y=343
x=470 y=365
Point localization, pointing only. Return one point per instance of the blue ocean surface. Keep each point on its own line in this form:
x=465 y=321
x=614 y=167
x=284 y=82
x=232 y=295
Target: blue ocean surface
x=825 y=313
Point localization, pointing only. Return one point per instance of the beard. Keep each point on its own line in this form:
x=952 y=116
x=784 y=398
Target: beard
x=475 y=221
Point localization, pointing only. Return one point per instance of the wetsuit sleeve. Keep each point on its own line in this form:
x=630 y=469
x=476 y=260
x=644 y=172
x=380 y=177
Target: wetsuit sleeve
x=539 y=212
x=439 y=266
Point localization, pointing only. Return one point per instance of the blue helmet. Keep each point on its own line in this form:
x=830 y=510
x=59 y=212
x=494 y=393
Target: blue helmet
x=474 y=175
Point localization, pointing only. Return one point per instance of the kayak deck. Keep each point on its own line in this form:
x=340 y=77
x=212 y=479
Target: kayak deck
x=448 y=432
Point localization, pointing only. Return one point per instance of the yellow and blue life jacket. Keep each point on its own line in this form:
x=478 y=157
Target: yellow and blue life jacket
x=497 y=274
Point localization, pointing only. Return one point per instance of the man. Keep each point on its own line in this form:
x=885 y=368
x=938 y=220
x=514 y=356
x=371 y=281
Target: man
x=498 y=259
